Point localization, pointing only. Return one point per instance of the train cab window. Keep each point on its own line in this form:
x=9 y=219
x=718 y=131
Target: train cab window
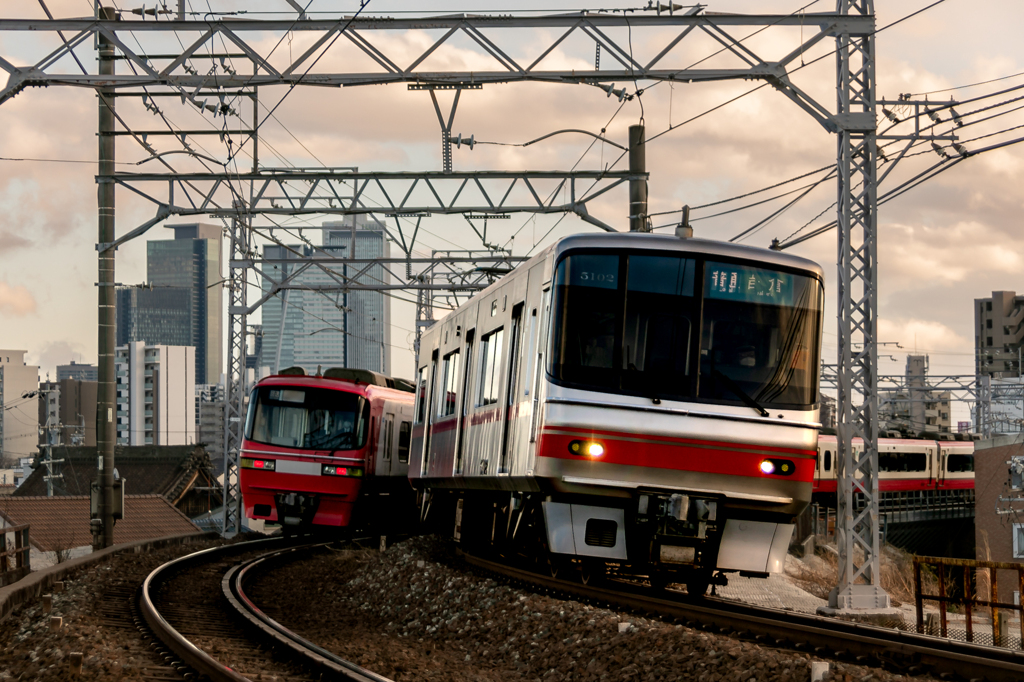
x=828 y=460
x=421 y=396
x=309 y=418
x=959 y=463
x=760 y=336
x=404 y=436
x=490 y=366
x=449 y=388
x=665 y=326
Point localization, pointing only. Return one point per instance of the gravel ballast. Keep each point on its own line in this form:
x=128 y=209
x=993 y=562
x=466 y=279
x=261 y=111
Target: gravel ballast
x=410 y=614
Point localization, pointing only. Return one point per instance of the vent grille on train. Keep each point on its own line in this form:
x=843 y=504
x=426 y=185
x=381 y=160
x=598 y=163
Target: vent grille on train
x=600 y=533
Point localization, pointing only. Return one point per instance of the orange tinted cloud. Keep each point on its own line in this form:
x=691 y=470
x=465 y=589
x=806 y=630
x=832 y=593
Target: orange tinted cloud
x=16 y=301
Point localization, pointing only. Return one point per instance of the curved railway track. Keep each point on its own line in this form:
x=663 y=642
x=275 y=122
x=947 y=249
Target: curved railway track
x=197 y=606
x=869 y=645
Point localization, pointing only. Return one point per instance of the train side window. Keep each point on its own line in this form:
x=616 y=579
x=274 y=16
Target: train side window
x=404 y=433
x=490 y=366
x=828 y=460
x=421 y=396
x=959 y=463
x=449 y=387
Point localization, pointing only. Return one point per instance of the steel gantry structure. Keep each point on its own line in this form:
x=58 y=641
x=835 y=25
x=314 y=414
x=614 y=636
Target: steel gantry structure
x=239 y=199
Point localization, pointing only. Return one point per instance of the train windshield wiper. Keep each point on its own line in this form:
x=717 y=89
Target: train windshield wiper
x=743 y=395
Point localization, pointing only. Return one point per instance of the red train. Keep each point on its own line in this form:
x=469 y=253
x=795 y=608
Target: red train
x=904 y=465
x=314 y=446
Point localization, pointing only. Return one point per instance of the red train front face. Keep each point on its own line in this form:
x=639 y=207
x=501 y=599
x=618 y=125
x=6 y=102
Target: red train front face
x=303 y=458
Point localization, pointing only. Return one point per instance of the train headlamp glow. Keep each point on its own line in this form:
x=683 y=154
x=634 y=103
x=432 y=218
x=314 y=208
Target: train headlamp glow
x=332 y=470
x=265 y=464
x=586 y=448
x=777 y=467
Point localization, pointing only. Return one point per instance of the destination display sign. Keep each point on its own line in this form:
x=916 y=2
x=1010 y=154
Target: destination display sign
x=754 y=285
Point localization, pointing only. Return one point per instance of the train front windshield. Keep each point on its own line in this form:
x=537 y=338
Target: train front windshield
x=307 y=418
x=683 y=328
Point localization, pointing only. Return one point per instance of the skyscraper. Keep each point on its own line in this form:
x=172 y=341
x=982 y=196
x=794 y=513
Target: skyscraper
x=368 y=319
x=193 y=260
x=306 y=328
x=161 y=316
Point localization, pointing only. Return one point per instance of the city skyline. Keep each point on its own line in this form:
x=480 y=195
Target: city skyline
x=940 y=246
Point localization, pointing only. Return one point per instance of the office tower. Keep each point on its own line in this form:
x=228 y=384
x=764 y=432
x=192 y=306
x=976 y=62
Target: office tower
x=309 y=326
x=77 y=371
x=193 y=260
x=156 y=394
x=161 y=316
x=19 y=416
x=368 y=319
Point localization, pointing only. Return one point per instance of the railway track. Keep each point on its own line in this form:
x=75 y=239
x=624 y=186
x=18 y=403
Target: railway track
x=895 y=650
x=197 y=606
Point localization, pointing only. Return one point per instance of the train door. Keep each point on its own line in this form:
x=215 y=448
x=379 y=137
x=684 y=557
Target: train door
x=934 y=465
x=463 y=430
x=538 y=370
x=384 y=457
x=940 y=477
x=514 y=354
x=428 y=418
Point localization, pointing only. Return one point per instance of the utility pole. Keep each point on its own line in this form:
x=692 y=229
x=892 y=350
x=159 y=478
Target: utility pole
x=106 y=402
x=51 y=432
x=637 y=188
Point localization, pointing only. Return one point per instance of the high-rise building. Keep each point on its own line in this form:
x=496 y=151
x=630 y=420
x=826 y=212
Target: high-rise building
x=156 y=391
x=999 y=334
x=998 y=347
x=78 y=371
x=368 y=318
x=19 y=416
x=309 y=326
x=159 y=317
x=194 y=260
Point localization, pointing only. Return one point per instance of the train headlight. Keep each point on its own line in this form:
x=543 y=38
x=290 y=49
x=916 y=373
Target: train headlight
x=586 y=448
x=265 y=464
x=332 y=470
x=777 y=467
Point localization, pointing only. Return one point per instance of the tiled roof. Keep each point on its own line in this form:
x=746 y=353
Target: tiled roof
x=63 y=522
x=148 y=470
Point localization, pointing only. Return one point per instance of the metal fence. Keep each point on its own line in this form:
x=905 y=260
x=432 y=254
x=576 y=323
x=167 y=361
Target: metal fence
x=992 y=629
x=15 y=563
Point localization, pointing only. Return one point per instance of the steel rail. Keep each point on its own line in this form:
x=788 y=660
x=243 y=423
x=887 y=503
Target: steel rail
x=189 y=653
x=318 y=658
x=828 y=637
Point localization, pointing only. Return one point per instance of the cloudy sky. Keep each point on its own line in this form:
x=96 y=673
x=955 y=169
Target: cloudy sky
x=953 y=238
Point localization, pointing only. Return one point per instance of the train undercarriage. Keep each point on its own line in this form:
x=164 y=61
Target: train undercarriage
x=659 y=537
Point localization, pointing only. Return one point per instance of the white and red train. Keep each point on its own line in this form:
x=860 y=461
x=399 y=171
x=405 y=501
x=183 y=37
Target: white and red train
x=904 y=465
x=637 y=403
